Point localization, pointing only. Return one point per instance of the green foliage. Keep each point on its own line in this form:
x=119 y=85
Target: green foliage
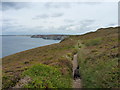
x=100 y=74
x=44 y=76
x=93 y=42
x=99 y=62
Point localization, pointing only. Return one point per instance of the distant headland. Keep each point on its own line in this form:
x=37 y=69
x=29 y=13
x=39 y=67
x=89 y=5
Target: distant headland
x=51 y=37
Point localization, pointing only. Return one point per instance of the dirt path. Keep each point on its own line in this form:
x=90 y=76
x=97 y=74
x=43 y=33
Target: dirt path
x=77 y=82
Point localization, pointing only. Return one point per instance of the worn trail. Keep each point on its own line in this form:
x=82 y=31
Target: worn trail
x=77 y=82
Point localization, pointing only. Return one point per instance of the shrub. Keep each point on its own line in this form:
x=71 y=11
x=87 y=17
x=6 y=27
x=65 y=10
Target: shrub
x=45 y=76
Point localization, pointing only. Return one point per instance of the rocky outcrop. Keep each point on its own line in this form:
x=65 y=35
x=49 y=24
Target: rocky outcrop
x=51 y=37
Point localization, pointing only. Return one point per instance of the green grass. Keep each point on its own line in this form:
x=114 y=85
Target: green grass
x=93 y=42
x=98 y=60
x=44 y=76
x=99 y=74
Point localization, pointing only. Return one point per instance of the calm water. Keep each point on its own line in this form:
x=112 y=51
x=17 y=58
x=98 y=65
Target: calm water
x=14 y=44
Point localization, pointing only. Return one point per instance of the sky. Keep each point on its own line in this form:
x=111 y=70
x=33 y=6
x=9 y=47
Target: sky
x=24 y=18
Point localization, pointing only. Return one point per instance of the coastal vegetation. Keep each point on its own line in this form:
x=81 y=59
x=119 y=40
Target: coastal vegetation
x=51 y=66
x=44 y=76
x=99 y=59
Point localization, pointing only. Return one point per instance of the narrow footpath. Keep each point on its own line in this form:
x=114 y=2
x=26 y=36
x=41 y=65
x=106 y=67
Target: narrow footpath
x=77 y=82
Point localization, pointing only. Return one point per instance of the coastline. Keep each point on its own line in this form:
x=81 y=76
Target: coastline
x=97 y=55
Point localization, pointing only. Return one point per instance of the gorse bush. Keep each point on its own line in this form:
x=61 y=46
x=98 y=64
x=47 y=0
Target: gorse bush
x=44 y=76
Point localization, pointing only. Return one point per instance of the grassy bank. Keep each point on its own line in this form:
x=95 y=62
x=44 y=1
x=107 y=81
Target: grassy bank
x=97 y=55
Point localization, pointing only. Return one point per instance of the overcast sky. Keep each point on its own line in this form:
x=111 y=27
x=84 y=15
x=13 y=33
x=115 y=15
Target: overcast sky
x=57 y=17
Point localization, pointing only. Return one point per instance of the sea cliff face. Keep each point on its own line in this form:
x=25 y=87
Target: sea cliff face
x=51 y=37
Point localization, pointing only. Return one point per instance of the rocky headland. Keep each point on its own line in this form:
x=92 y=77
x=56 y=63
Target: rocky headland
x=51 y=37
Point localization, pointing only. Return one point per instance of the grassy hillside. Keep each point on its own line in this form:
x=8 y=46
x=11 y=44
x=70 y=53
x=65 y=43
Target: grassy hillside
x=98 y=59
x=97 y=55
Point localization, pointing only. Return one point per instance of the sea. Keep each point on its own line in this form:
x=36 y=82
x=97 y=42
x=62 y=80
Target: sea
x=14 y=44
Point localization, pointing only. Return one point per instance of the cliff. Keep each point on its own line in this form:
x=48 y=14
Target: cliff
x=51 y=37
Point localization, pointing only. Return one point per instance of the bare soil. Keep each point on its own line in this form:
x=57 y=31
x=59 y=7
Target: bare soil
x=77 y=81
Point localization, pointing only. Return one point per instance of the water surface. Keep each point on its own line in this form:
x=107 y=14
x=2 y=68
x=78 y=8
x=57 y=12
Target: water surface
x=14 y=44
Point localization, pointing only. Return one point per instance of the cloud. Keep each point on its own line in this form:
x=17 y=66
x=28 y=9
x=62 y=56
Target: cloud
x=57 y=15
x=12 y=29
x=57 y=5
x=46 y=16
x=87 y=22
x=80 y=27
x=69 y=20
x=11 y=26
x=43 y=16
x=9 y=22
x=71 y=28
x=89 y=3
x=0 y=6
x=112 y=24
x=13 y=5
